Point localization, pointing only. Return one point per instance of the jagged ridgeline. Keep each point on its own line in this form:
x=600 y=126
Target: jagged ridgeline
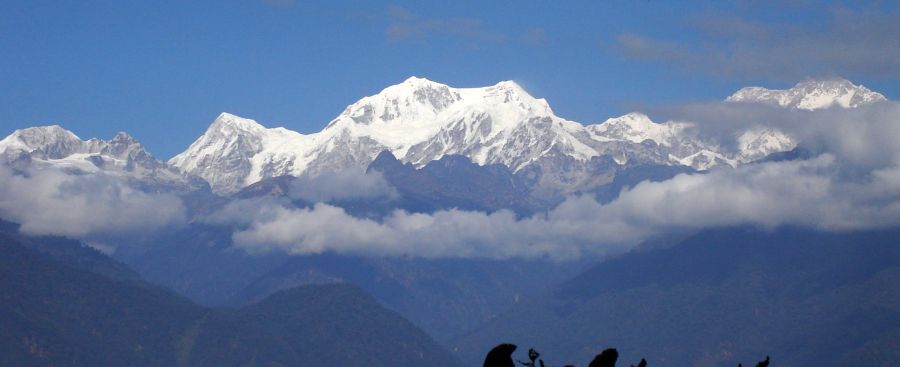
x=420 y=121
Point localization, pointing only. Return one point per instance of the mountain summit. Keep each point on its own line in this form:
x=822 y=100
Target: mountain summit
x=235 y=152
x=811 y=95
x=122 y=156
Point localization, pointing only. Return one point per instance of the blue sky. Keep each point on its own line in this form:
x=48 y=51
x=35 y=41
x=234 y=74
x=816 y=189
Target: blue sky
x=163 y=70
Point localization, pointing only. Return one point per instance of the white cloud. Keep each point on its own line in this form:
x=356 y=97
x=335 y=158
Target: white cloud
x=244 y=212
x=52 y=202
x=767 y=195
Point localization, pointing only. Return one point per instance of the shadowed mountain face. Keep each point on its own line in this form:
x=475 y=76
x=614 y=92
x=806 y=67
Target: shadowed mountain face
x=454 y=182
x=72 y=253
x=57 y=311
x=445 y=297
x=719 y=298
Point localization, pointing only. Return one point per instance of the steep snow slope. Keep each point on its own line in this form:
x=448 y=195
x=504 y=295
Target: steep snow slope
x=235 y=152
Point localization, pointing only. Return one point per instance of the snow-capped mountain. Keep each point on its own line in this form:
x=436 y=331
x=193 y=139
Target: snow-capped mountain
x=122 y=156
x=811 y=95
x=756 y=143
x=235 y=152
x=420 y=121
x=673 y=142
x=417 y=120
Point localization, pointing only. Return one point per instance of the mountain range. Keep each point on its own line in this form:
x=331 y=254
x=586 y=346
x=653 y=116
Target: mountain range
x=432 y=148
x=122 y=156
x=811 y=95
x=420 y=121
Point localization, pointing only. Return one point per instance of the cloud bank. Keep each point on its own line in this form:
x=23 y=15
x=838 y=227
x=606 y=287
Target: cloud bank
x=52 y=202
x=852 y=182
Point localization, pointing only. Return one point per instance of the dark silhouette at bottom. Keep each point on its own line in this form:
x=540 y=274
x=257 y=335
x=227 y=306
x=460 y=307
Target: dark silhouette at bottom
x=607 y=358
x=501 y=356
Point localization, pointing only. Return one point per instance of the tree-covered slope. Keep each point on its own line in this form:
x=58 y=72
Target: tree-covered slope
x=56 y=314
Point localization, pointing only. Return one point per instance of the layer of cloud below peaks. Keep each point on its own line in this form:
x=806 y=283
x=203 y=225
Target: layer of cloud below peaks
x=52 y=202
x=769 y=195
x=852 y=183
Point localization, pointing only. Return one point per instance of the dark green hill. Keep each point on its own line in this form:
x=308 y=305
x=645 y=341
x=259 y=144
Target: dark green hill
x=55 y=314
x=719 y=298
x=71 y=253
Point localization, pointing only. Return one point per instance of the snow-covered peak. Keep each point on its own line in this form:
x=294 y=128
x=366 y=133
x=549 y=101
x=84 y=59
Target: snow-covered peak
x=123 y=146
x=511 y=89
x=632 y=121
x=418 y=100
x=52 y=141
x=233 y=151
x=510 y=92
x=416 y=82
x=758 y=142
x=414 y=101
x=229 y=124
x=636 y=127
x=122 y=156
x=811 y=95
x=406 y=114
x=124 y=137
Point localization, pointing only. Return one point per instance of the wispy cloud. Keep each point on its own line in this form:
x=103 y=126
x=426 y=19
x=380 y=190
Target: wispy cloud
x=406 y=26
x=534 y=37
x=853 y=43
x=342 y=185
